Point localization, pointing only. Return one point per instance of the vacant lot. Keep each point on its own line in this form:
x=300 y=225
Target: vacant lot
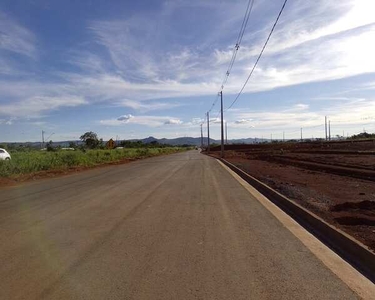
x=335 y=180
x=30 y=162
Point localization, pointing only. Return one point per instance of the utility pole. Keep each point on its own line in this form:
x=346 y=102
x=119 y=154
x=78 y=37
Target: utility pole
x=226 y=133
x=208 y=132
x=222 y=125
x=283 y=136
x=329 y=130
x=325 y=125
x=301 y=135
x=201 y=137
x=271 y=137
x=43 y=132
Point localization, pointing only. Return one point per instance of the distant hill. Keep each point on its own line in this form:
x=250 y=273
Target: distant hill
x=193 y=141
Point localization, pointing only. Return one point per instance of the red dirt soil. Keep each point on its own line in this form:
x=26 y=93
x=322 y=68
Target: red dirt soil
x=341 y=199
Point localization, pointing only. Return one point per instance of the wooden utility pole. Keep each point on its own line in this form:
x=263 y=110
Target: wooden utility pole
x=222 y=125
x=208 y=132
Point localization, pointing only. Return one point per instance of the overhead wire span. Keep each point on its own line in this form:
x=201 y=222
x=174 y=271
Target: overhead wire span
x=259 y=56
x=238 y=41
x=245 y=20
x=213 y=104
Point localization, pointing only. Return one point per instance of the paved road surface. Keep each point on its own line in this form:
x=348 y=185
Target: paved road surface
x=172 y=227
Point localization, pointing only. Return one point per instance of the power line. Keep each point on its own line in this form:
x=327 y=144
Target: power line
x=245 y=20
x=213 y=104
x=260 y=55
x=238 y=42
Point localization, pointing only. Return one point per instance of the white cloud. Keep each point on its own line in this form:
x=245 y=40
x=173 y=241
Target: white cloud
x=145 y=106
x=349 y=115
x=173 y=122
x=16 y=38
x=125 y=118
x=243 y=121
x=297 y=108
x=32 y=107
x=151 y=121
x=215 y=120
x=7 y=121
x=197 y=121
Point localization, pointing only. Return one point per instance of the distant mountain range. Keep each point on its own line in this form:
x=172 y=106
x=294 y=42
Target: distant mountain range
x=193 y=141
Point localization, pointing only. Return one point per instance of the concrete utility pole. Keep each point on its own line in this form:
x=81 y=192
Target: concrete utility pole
x=283 y=136
x=325 y=124
x=208 y=132
x=301 y=135
x=329 y=130
x=222 y=125
x=43 y=132
x=201 y=137
x=226 y=133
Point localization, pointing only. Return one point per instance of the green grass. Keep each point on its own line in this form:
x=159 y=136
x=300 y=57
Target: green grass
x=35 y=161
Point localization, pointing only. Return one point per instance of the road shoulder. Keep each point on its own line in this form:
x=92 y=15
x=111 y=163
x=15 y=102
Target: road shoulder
x=350 y=276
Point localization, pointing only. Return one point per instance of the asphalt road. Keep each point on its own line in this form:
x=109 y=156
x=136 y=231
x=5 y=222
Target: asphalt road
x=171 y=227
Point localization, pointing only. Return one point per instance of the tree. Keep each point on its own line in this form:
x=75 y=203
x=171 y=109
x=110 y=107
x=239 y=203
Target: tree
x=49 y=146
x=90 y=139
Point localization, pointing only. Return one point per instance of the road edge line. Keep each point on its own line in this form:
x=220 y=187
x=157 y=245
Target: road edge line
x=349 y=274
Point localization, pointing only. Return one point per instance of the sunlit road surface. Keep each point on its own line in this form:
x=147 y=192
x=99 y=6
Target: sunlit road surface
x=171 y=227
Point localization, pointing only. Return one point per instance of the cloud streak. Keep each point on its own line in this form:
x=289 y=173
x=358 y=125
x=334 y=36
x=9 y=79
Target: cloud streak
x=16 y=38
x=150 y=121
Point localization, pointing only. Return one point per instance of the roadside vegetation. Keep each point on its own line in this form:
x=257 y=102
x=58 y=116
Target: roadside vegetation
x=90 y=153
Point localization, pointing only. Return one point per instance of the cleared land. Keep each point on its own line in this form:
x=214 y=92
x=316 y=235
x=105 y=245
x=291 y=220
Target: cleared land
x=335 y=180
x=34 y=163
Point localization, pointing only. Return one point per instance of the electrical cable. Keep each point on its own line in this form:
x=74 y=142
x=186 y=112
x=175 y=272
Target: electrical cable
x=259 y=56
x=245 y=20
x=249 y=8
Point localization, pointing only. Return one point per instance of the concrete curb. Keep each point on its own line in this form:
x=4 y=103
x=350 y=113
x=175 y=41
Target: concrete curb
x=351 y=250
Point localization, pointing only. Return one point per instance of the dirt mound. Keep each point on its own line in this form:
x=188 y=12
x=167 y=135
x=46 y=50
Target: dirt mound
x=349 y=206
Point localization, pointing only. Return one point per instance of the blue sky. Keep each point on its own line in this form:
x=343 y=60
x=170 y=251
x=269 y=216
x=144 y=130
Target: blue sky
x=135 y=69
